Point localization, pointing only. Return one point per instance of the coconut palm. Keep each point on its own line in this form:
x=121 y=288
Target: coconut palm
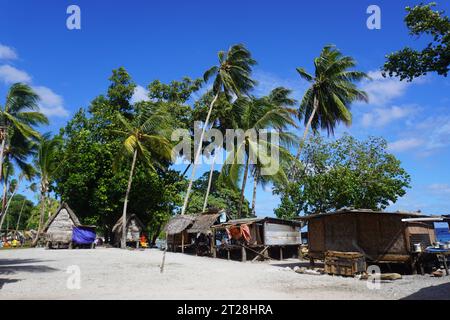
x=327 y=101
x=47 y=162
x=19 y=115
x=145 y=138
x=225 y=116
x=232 y=77
x=255 y=147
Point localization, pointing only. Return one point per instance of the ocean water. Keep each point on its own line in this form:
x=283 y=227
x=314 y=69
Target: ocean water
x=442 y=234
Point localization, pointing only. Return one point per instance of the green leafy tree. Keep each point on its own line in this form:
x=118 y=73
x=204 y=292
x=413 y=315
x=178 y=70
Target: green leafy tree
x=144 y=138
x=344 y=173
x=409 y=63
x=87 y=181
x=231 y=76
x=20 y=211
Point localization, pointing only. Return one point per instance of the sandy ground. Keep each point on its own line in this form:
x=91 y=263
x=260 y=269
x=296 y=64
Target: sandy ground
x=107 y=273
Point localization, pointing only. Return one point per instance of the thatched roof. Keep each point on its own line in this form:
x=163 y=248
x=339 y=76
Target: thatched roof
x=178 y=224
x=118 y=225
x=203 y=223
x=72 y=216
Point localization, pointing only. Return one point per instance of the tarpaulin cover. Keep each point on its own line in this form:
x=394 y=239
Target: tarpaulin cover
x=237 y=232
x=82 y=235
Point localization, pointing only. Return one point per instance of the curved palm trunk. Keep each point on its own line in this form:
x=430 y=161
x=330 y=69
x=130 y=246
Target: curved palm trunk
x=244 y=182
x=2 y=151
x=41 y=218
x=308 y=126
x=5 y=212
x=20 y=215
x=123 y=242
x=255 y=185
x=211 y=170
x=197 y=155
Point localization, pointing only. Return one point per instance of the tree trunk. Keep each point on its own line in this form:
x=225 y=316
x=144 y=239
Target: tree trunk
x=244 y=182
x=197 y=155
x=41 y=218
x=123 y=242
x=255 y=185
x=205 y=204
x=308 y=126
x=2 y=150
x=5 y=210
x=20 y=215
x=155 y=236
x=186 y=170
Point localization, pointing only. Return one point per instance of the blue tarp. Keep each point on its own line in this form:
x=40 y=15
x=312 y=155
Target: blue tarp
x=83 y=235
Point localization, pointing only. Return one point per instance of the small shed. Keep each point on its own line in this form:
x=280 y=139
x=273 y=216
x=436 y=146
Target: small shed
x=260 y=237
x=382 y=237
x=176 y=231
x=59 y=228
x=134 y=229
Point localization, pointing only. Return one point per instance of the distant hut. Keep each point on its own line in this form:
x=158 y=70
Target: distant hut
x=59 y=228
x=176 y=231
x=134 y=228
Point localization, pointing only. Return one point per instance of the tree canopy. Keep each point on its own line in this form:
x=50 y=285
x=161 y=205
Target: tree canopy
x=344 y=173
x=409 y=63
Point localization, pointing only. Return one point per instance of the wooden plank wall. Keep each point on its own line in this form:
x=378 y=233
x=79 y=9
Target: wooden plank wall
x=279 y=234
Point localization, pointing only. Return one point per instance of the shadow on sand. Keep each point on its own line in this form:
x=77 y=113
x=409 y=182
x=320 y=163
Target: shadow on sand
x=13 y=266
x=439 y=292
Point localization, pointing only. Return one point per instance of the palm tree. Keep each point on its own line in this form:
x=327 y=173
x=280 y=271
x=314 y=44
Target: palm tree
x=47 y=162
x=232 y=77
x=18 y=116
x=278 y=97
x=259 y=114
x=145 y=137
x=226 y=116
x=332 y=91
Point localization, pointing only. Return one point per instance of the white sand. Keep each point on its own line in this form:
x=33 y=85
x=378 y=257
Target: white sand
x=125 y=274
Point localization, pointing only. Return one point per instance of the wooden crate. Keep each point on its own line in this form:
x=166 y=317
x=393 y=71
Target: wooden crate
x=344 y=263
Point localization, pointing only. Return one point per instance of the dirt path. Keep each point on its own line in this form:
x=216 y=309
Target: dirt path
x=118 y=274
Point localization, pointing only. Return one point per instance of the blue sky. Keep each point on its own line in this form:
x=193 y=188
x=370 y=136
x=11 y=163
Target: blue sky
x=167 y=40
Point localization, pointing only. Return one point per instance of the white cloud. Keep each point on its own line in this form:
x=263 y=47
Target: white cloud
x=268 y=81
x=440 y=188
x=9 y=74
x=380 y=117
x=51 y=104
x=140 y=94
x=405 y=144
x=7 y=53
x=383 y=90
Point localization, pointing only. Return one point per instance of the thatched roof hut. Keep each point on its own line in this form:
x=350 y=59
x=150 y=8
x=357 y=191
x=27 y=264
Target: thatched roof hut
x=204 y=222
x=59 y=226
x=178 y=224
x=134 y=228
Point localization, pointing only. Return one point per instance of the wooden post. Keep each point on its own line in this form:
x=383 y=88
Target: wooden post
x=281 y=253
x=213 y=244
x=228 y=254
x=182 y=242
x=243 y=254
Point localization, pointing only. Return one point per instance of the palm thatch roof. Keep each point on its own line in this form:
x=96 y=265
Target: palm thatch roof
x=178 y=224
x=203 y=223
x=118 y=226
x=72 y=216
